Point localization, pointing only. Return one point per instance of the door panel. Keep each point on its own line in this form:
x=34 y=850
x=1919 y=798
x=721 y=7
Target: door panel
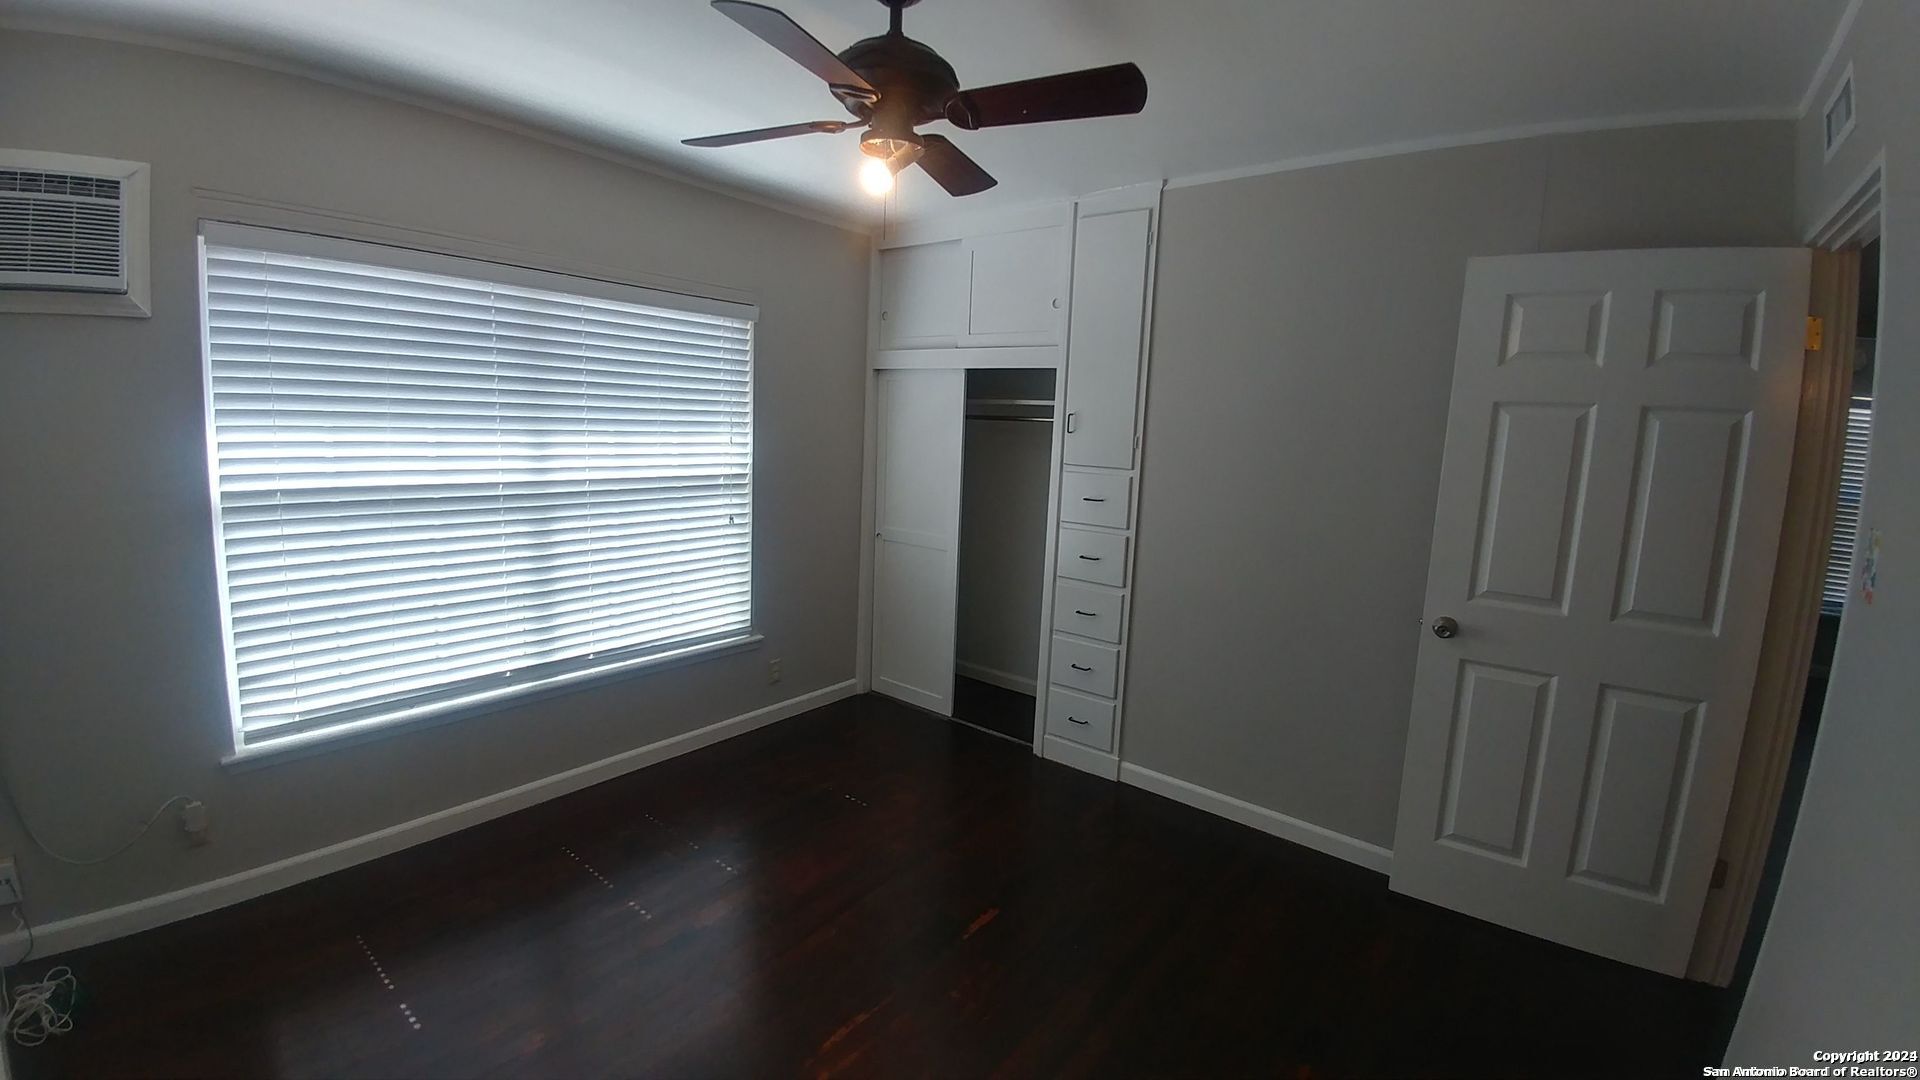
x=1643 y=750
x=1493 y=756
x=1536 y=482
x=1689 y=466
x=916 y=538
x=1104 y=338
x=1610 y=501
x=923 y=295
x=1016 y=287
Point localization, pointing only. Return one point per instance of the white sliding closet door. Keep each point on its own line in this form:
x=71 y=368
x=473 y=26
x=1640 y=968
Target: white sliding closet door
x=917 y=534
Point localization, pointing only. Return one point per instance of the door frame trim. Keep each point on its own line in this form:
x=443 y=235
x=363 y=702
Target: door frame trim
x=1773 y=718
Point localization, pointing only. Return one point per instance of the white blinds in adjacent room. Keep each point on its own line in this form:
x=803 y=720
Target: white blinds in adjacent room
x=1846 y=517
x=440 y=481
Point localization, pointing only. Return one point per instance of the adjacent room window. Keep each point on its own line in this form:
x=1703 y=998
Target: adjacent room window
x=440 y=482
x=1846 y=518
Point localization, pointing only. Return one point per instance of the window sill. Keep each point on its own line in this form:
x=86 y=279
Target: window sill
x=296 y=747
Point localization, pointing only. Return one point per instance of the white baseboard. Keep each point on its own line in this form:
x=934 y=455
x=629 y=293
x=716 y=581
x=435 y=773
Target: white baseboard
x=1339 y=845
x=109 y=923
x=1006 y=680
x=1055 y=748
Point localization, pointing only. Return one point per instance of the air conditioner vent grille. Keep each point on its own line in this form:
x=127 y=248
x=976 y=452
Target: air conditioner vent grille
x=51 y=183
x=61 y=230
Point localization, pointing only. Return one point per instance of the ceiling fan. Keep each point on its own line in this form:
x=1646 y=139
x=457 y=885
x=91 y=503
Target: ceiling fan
x=892 y=84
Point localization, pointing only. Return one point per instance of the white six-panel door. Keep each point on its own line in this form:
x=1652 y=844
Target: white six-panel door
x=917 y=534
x=1610 y=503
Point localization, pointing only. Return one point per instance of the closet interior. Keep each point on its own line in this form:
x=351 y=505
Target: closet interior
x=1006 y=465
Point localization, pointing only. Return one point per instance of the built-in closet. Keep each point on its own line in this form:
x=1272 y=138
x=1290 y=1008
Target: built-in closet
x=1009 y=367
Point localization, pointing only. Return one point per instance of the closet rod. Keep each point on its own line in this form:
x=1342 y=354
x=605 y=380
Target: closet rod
x=1016 y=419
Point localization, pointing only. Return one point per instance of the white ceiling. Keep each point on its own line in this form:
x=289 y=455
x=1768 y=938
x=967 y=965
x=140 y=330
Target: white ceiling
x=1235 y=84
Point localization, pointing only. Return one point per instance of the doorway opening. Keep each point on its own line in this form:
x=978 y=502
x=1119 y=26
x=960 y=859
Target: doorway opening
x=1839 y=588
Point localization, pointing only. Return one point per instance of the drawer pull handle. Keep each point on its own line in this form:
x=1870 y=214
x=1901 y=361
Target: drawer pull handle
x=1079 y=667
x=1089 y=498
x=1088 y=614
x=1076 y=720
x=1091 y=558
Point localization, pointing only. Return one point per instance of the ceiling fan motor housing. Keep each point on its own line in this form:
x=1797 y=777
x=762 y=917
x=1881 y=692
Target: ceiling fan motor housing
x=913 y=84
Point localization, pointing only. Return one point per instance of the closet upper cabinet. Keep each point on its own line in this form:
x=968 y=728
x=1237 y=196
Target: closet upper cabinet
x=1005 y=288
x=1103 y=350
x=923 y=296
x=1017 y=287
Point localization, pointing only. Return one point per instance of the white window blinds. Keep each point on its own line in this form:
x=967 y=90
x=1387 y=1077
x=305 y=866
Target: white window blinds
x=1846 y=517
x=439 y=481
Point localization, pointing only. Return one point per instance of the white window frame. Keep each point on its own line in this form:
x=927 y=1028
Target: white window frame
x=484 y=700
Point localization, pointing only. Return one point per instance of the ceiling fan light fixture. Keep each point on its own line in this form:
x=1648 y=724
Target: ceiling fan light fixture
x=877 y=173
x=879 y=144
x=876 y=177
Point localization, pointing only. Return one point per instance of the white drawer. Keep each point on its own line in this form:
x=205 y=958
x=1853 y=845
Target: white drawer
x=1093 y=556
x=1085 y=720
x=1087 y=610
x=1096 y=498
x=1085 y=666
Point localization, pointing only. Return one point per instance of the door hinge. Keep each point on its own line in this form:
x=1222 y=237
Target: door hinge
x=1719 y=879
x=1816 y=332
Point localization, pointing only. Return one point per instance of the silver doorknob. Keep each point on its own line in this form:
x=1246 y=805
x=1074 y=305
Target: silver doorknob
x=1445 y=627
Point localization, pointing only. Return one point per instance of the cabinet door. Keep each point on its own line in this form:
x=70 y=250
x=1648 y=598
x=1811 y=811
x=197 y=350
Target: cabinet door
x=917 y=534
x=1103 y=343
x=923 y=295
x=1016 y=287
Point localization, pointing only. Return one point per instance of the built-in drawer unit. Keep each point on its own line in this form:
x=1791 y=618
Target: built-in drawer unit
x=1093 y=556
x=1085 y=720
x=1096 y=498
x=1087 y=610
x=1086 y=666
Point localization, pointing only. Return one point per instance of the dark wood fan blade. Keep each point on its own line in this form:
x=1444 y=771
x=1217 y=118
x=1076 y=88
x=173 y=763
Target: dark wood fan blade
x=735 y=138
x=781 y=32
x=1076 y=95
x=951 y=168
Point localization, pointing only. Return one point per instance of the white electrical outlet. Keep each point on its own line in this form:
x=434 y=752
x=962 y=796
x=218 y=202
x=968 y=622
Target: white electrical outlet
x=9 y=883
x=193 y=821
x=773 y=670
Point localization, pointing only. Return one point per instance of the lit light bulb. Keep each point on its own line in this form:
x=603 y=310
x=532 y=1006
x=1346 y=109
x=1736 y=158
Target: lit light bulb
x=876 y=176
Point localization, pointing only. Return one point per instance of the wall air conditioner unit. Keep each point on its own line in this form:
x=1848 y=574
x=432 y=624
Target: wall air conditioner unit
x=73 y=234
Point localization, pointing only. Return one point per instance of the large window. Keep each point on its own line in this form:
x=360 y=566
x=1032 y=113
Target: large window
x=440 y=482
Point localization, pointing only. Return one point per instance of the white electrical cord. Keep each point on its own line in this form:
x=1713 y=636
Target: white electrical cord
x=6 y=791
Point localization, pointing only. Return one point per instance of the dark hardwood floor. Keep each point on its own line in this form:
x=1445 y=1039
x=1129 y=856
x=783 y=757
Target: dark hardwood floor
x=996 y=708
x=865 y=890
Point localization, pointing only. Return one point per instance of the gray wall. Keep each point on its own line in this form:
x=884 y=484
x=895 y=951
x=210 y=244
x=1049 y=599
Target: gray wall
x=111 y=683
x=1839 y=964
x=1003 y=529
x=1303 y=342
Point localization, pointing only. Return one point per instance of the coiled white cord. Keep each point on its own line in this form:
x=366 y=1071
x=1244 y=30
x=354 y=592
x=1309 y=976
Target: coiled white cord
x=37 y=1011
x=34 y=1011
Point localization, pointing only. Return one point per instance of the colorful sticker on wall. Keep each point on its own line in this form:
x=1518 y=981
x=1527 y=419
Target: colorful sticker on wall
x=1870 y=566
